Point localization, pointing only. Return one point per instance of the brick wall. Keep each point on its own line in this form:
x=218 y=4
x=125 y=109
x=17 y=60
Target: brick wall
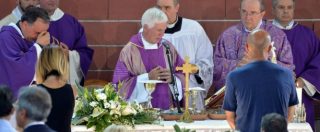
x=110 y=23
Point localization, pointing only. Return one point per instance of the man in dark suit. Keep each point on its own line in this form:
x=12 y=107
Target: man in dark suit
x=33 y=107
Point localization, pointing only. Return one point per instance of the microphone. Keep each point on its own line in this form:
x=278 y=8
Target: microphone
x=175 y=92
x=165 y=44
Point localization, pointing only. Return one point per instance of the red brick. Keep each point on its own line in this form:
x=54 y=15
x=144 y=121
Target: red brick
x=307 y=9
x=100 y=60
x=6 y=6
x=233 y=9
x=112 y=56
x=86 y=9
x=317 y=28
x=101 y=75
x=128 y=9
x=202 y=9
x=307 y=23
x=105 y=58
x=214 y=29
x=110 y=32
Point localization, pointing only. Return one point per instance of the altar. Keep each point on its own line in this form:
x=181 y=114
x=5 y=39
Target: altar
x=199 y=126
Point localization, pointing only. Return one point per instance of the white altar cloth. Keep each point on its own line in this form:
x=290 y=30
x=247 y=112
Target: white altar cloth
x=199 y=126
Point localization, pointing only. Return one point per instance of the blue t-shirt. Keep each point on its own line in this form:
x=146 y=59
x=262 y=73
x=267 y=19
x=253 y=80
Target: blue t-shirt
x=257 y=89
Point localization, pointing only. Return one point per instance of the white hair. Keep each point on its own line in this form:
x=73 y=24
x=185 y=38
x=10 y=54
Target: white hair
x=152 y=16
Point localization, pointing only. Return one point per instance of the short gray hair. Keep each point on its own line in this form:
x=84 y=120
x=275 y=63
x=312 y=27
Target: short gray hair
x=275 y=3
x=261 y=2
x=152 y=16
x=36 y=102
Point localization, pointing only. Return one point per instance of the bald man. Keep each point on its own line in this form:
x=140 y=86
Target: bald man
x=268 y=87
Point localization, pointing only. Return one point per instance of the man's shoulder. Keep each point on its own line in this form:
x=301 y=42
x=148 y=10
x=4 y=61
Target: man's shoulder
x=38 y=128
x=273 y=30
x=190 y=22
x=233 y=30
x=7 y=20
x=304 y=28
x=7 y=31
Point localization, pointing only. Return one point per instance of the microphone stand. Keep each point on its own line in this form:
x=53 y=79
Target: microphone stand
x=173 y=82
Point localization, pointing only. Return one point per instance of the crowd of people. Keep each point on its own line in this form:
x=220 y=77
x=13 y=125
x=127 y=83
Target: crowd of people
x=44 y=53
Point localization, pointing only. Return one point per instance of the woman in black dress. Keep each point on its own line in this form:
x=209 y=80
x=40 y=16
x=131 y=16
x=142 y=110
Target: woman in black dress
x=52 y=73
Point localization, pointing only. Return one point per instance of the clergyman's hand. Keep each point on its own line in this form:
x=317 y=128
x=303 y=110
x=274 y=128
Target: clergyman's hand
x=195 y=70
x=165 y=75
x=299 y=83
x=245 y=60
x=65 y=48
x=154 y=74
x=43 y=38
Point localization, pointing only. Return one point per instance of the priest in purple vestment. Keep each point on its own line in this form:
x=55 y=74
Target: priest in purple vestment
x=144 y=58
x=21 y=46
x=17 y=12
x=230 y=47
x=66 y=29
x=305 y=47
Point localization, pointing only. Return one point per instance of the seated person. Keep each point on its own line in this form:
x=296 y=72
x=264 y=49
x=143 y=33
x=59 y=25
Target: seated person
x=33 y=107
x=144 y=58
x=6 y=109
x=52 y=73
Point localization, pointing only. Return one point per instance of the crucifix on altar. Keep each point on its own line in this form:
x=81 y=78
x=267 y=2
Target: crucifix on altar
x=186 y=68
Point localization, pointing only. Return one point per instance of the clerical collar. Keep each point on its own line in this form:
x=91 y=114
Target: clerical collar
x=17 y=12
x=15 y=26
x=172 y=25
x=176 y=26
x=58 y=14
x=148 y=45
x=277 y=24
x=256 y=28
x=34 y=123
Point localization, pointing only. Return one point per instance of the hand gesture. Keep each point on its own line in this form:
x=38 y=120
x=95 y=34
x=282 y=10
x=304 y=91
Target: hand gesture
x=64 y=47
x=165 y=75
x=245 y=60
x=43 y=38
x=154 y=74
x=299 y=83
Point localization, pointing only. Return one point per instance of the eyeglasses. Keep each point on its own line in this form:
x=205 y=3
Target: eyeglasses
x=251 y=13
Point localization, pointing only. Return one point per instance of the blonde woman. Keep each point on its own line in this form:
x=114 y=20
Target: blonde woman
x=52 y=73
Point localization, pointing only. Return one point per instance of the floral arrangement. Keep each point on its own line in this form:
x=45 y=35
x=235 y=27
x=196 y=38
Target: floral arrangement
x=103 y=107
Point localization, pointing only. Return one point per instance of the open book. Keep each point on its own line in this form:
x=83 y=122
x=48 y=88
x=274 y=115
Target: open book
x=215 y=101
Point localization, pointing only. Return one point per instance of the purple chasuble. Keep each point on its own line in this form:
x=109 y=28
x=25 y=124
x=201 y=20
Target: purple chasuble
x=230 y=49
x=305 y=49
x=134 y=60
x=69 y=31
x=18 y=59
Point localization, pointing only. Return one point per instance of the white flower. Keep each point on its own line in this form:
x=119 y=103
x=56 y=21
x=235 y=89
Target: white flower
x=106 y=105
x=93 y=103
x=98 y=90
x=128 y=110
x=113 y=105
x=101 y=96
x=115 y=112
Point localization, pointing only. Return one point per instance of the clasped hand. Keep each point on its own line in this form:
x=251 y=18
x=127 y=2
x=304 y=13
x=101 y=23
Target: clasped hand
x=160 y=73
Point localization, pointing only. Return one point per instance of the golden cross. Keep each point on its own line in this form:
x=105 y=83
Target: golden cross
x=187 y=68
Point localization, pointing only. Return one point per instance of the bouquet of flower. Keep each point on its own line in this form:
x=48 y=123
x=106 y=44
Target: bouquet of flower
x=104 y=107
